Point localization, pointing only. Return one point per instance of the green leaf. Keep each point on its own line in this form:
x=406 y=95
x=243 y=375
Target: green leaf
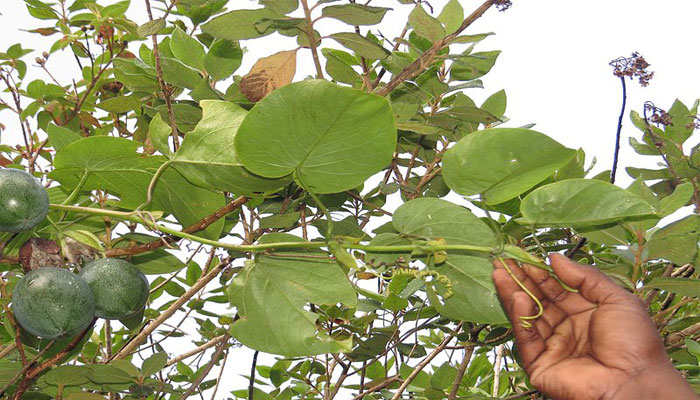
x=452 y=16
x=159 y=131
x=339 y=67
x=436 y=218
x=121 y=104
x=187 y=49
x=84 y=396
x=223 y=59
x=207 y=157
x=60 y=137
x=356 y=14
x=581 y=203
x=676 y=242
x=426 y=25
x=682 y=286
x=241 y=24
x=281 y=6
x=114 y=164
x=683 y=123
x=36 y=89
x=67 y=375
x=271 y=292
x=8 y=369
x=474 y=297
x=679 y=198
x=332 y=138
x=496 y=104
x=473 y=66
x=615 y=235
x=179 y=74
x=157 y=262
x=502 y=163
x=154 y=363
x=470 y=114
x=151 y=27
x=115 y=10
x=443 y=376
x=362 y=46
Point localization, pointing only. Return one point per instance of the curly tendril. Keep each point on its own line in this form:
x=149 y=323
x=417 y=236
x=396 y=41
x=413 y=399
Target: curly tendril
x=524 y=321
x=422 y=274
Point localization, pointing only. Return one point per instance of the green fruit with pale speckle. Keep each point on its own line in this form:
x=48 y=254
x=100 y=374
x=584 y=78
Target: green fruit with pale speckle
x=24 y=203
x=120 y=289
x=53 y=302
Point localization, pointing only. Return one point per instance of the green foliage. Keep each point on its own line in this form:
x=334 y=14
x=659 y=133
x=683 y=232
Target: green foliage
x=312 y=215
x=331 y=142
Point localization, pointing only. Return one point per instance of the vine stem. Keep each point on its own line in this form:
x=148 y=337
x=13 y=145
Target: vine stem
x=258 y=248
x=619 y=130
x=152 y=184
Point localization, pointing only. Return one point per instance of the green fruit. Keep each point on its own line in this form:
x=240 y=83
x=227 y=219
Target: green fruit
x=53 y=302
x=120 y=289
x=24 y=203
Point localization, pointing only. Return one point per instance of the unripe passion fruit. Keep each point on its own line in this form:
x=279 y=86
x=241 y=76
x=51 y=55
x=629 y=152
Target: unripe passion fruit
x=53 y=302
x=120 y=289
x=24 y=203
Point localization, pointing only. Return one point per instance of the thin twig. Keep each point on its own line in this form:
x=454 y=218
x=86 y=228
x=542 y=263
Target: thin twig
x=221 y=373
x=497 y=370
x=468 y=351
x=312 y=39
x=619 y=130
x=190 y=391
x=426 y=59
x=161 y=82
x=378 y=387
x=423 y=364
x=196 y=350
x=251 y=381
x=133 y=344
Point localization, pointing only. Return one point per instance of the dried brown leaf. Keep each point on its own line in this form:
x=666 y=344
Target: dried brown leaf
x=268 y=74
x=39 y=253
x=77 y=252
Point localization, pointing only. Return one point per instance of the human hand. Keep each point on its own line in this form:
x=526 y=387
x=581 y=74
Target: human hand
x=598 y=343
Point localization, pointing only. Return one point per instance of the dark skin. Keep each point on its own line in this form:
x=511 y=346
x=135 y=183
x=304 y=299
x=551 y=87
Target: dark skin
x=597 y=344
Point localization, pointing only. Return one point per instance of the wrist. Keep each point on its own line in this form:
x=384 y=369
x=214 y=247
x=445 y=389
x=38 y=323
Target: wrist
x=655 y=382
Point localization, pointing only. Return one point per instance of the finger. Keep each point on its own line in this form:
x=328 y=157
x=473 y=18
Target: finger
x=529 y=341
x=548 y=286
x=505 y=287
x=592 y=284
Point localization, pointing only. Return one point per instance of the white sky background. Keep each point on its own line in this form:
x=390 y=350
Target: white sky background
x=553 y=66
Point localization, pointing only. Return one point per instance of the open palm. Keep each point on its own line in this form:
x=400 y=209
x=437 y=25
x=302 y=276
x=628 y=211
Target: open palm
x=586 y=345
